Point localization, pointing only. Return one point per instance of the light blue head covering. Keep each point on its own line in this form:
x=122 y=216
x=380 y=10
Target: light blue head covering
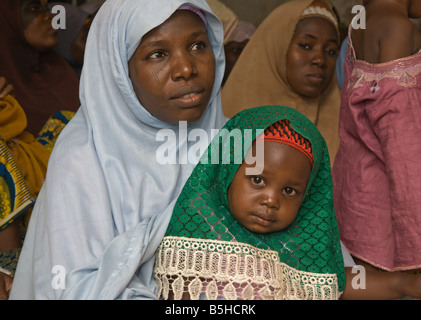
x=106 y=201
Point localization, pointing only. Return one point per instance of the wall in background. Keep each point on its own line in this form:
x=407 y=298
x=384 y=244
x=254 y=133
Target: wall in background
x=255 y=11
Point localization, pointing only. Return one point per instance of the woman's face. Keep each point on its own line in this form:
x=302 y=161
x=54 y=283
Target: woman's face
x=37 y=27
x=173 y=69
x=311 y=56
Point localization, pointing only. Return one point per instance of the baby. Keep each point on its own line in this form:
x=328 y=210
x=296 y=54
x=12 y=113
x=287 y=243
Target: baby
x=268 y=236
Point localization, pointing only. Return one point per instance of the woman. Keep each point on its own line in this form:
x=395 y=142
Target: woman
x=100 y=220
x=267 y=72
x=43 y=81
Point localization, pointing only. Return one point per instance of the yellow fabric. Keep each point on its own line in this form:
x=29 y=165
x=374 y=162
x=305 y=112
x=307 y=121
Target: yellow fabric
x=15 y=196
x=30 y=156
x=259 y=76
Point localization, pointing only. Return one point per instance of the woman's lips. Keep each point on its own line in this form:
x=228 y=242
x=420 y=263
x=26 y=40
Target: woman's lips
x=316 y=77
x=188 y=99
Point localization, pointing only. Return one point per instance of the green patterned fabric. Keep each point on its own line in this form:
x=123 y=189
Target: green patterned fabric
x=308 y=251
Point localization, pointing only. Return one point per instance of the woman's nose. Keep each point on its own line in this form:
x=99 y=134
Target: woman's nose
x=183 y=67
x=319 y=59
x=48 y=15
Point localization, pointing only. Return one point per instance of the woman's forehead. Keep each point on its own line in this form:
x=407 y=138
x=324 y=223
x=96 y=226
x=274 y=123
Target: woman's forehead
x=178 y=20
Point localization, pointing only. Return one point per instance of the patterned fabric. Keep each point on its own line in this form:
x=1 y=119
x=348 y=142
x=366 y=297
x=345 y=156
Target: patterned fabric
x=15 y=196
x=23 y=164
x=206 y=250
x=281 y=131
x=320 y=9
x=9 y=260
x=50 y=132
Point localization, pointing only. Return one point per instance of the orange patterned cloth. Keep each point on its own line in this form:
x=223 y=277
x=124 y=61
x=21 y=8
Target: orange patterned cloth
x=282 y=132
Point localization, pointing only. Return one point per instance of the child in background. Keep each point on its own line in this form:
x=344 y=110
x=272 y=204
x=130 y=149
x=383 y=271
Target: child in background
x=377 y=190
x=271 y=235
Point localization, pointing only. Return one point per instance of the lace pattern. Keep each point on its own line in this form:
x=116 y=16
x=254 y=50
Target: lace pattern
x=234 y=270
x=405 y=76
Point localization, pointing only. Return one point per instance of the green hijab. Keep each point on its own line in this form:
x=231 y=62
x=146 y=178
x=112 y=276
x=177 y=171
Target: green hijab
x=207 y=252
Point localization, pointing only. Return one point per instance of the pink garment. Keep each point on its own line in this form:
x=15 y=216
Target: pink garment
x=376 y=173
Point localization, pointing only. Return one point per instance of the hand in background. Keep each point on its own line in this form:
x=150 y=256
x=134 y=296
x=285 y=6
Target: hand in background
x=5 y=88
x=5 y=285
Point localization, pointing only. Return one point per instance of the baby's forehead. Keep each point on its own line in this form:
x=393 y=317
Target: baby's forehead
x=274 y=156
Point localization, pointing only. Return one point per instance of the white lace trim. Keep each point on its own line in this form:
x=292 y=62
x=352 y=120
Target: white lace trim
x=233 y=271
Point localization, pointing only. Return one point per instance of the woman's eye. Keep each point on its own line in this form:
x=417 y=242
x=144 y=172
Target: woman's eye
x=305 y=46
x=257 y=181
x=198 y=45
x=156 y=55
x=289 y=191
x=37 y=8
x=34 y=8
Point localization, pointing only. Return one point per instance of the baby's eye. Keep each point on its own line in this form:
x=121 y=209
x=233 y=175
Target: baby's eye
x=257 y=181
x=289 y=191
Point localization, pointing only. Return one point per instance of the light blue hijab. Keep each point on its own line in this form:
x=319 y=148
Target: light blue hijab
x=106 y=201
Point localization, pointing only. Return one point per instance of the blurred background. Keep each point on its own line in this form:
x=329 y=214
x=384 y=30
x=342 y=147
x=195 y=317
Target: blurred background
x=254 y=11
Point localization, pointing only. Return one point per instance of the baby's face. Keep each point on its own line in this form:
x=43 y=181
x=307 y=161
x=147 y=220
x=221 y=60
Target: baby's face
x=173 y=69
x=270 y=201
